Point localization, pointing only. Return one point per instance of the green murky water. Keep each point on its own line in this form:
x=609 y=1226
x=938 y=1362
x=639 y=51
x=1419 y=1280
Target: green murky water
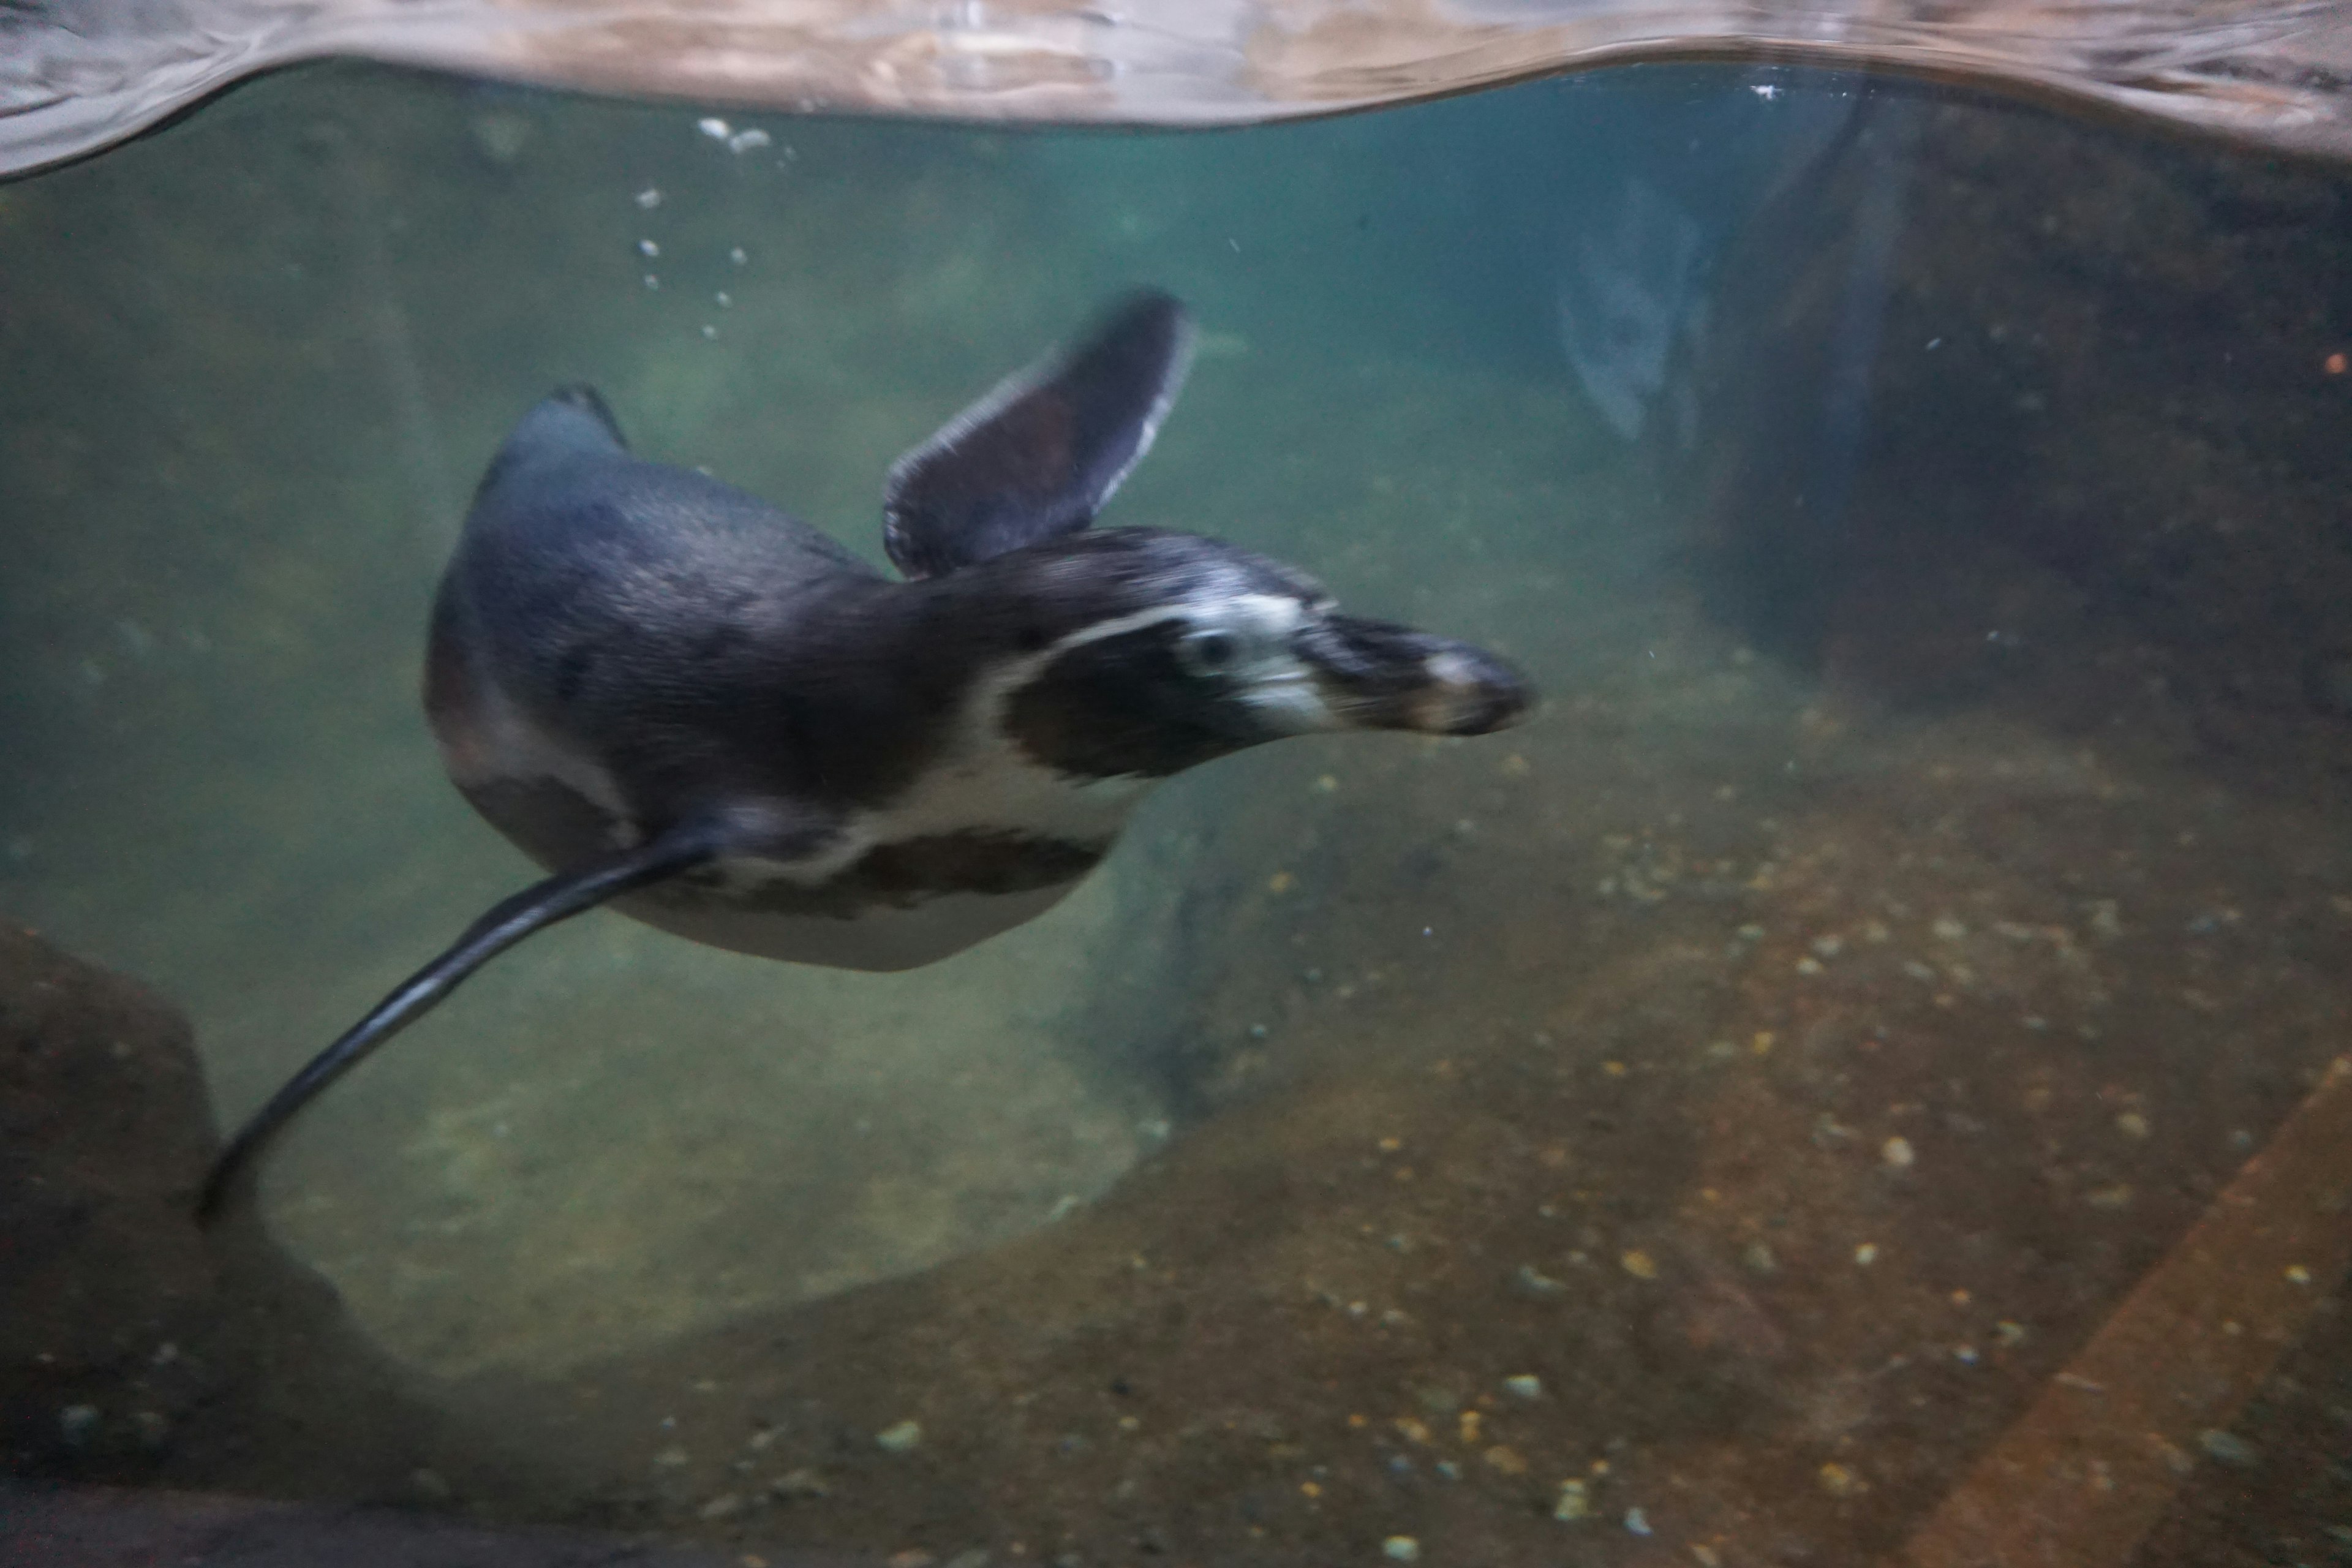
x=1926 y=886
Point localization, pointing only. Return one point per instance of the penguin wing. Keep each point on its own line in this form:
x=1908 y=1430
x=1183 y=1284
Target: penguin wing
x=1039 y=454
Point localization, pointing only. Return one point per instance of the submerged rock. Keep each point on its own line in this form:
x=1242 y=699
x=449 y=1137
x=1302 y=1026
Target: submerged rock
x=135 y=1346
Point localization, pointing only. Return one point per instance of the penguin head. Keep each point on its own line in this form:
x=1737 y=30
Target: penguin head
x=1134 y=652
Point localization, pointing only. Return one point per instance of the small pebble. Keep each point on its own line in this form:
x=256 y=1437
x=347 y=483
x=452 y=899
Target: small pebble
x=1637 y=1522
x=2132 y=1124
x=1896 y=1151
x=1574 y=1502
x=1865 y=1255
x=726 y=1505
x=1531 y=1282
x=648 y=249
x=648 y=199
x=1839 y=1481
x=671 y=1458
x=800 y=1483
x=1524 y=1387
x=77 y=1424
x=1401 y=1548
x=1946 y=928
x=2227 y=1448
x=715 y=128
x=900 y=1438
x=1640 y=1265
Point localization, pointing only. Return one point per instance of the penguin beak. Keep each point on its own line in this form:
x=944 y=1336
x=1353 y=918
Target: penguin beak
x=1376 y=675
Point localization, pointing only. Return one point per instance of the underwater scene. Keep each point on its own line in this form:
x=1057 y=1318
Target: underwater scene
x=1813 y=1025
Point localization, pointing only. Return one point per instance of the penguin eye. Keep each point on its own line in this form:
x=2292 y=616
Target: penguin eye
x=1208 y=653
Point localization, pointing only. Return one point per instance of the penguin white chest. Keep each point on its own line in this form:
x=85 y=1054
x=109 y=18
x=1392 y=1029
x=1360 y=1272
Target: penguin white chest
x=983 y=840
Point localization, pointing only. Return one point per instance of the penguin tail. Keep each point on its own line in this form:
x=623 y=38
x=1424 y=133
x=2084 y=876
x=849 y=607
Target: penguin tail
x=559 y=898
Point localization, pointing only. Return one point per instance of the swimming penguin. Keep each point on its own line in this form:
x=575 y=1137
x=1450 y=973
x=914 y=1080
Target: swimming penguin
x=687 y=704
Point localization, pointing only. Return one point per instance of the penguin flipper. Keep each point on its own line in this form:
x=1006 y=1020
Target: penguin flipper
x=1039 y=454
x=534 y=908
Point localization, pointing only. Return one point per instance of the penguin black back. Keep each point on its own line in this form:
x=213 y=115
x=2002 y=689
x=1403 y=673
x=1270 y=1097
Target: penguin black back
x=681 y=701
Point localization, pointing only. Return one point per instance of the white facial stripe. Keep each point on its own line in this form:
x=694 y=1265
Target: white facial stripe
x=1256 y=616
x=980 y=781
x=1119 y=626
x=1268 y=676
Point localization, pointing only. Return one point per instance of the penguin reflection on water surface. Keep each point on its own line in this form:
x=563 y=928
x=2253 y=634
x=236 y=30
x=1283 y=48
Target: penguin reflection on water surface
x=687 y=704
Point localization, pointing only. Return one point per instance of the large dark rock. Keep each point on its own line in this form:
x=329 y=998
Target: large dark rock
x=102 y=1121
x=137 y=1347
x=2000 y=405
x=134 y=1345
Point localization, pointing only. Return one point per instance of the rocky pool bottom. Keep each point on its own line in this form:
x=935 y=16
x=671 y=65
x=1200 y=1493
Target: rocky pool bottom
x=1720 y=1183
